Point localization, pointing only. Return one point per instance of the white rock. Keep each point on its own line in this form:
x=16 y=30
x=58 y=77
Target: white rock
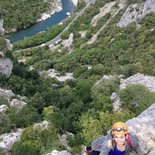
x=54 y=74
x=68 y=42
x=43 y=125
x=8 y=139
x=6 y=66
x=4 y=93
x=145 y=122
x=139 y=79
x=116 y=102
x=56 y=6
x=3 y=108
x=1 y=27
x=136 y=11
x=15 y=103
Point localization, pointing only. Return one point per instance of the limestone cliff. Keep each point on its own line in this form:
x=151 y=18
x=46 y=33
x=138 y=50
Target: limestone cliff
x=136 y=11
x=1 y=27
x=144 y=128
x=6 y=64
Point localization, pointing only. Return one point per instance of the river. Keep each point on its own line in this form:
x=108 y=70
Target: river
x=56 y=18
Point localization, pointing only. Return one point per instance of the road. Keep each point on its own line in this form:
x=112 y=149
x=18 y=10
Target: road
x=57 y=38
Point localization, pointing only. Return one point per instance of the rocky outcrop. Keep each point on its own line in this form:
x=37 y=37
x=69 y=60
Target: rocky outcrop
x=6 y=66
x=136 y=79
x=17 y=104
x=56 y=6
x=6 y=94
x=43 y=125
x=55 y=152
x=3 y=108
x=8 y=45
x=103 y=11
x=8 y=139
x=141 y=79
x=11 y=103
x=1 y=27
x=54 y=74
x=68 y=42
x=136 y=11
x=143 y=127
x=75 y=2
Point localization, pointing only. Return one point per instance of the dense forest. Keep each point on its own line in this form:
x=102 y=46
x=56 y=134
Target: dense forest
x=78 y=106
x=19 y=14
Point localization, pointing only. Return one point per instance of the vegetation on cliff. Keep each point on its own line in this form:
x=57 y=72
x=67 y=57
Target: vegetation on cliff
x=80 y=106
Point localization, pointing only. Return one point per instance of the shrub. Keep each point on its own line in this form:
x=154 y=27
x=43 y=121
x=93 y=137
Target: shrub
x=136 y=98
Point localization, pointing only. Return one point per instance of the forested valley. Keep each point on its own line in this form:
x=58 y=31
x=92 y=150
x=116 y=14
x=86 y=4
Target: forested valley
x=82 y=106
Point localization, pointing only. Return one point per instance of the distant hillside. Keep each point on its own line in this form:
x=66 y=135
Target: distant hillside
x=20 y=14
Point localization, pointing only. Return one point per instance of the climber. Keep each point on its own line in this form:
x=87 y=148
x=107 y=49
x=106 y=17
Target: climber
x=118 y=142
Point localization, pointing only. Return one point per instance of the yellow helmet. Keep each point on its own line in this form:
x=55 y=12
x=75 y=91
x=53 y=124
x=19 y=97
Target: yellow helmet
x=119 y=128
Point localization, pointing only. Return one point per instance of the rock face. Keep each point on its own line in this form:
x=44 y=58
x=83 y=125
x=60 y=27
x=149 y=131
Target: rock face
x=8 y=139
x=8 y=45
x=1 y=27
x=56 y=6
x=144 y=128
x=55 y=152
x=68 y=42
x=17 y=104
x=54 y=74
x=11 y=103
x=136 y=11
x=145 y=80
x=6 y=66
x=6 y=94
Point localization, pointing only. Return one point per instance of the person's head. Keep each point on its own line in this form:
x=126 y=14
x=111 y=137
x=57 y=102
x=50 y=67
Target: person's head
x=119 y=132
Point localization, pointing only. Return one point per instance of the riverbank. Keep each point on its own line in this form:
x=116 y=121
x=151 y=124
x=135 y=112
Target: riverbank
x=44 y=25
x=75 y=2
x=56 y=6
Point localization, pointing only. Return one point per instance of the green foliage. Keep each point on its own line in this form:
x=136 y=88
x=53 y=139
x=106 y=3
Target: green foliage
x=2 y=151
x=5 y=124
x=83 y=90
x=18 y=149
x=81 y=105
x=103 y=103
x=40 y=38
x=36 y=140
x=109 y=118
x=136 y=98
x=3 y=101
x=134 y=1
x=105 y=88
x=91 y=128
x=21 y=13
x=24 y=117
x=2 y=44
x=95 y=124
x=65 y=35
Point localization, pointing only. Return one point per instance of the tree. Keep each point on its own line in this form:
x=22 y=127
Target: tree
x=136 y=98
x=36 y=140
x=91 y=128
x=83 y=90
